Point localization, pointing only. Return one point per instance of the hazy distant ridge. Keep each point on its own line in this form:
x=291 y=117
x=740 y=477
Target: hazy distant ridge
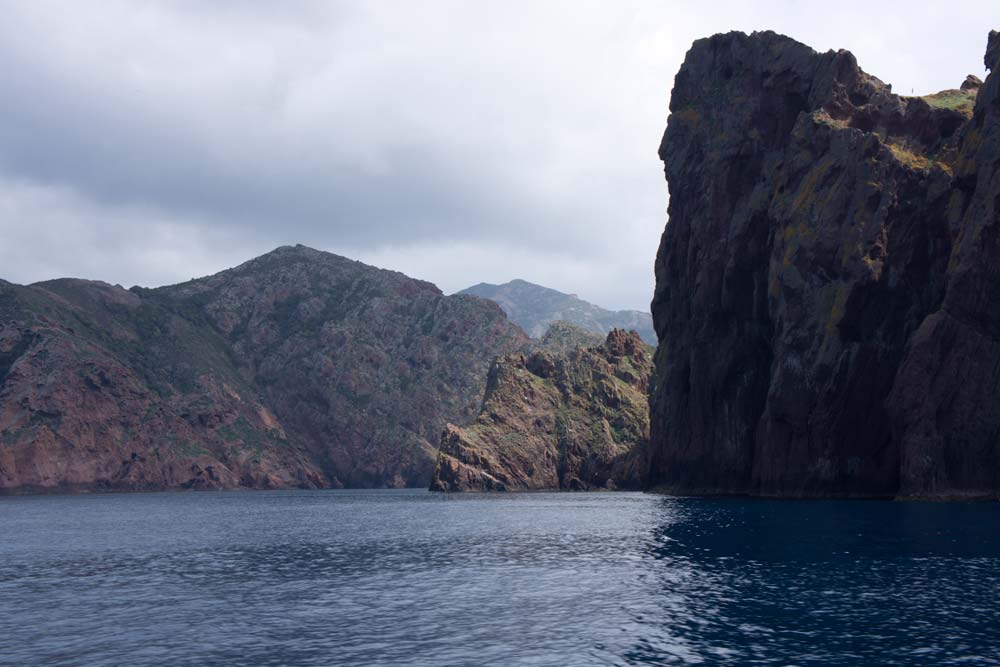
x=534 y=307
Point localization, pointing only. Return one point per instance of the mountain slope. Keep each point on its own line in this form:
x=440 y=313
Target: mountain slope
x=578 y=419
x=295 y=368
x=826 y=287
x=363 y=365
x=100 y=389
x=534 y=308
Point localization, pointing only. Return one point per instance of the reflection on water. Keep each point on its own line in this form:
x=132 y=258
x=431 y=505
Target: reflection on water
x=411 y=578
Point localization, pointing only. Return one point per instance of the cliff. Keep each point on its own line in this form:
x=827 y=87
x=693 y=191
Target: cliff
x=827 y=288
x=555 y=420
x=298 y=368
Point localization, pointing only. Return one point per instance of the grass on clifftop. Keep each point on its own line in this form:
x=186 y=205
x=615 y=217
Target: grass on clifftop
x=908 y=158
x=957 y=100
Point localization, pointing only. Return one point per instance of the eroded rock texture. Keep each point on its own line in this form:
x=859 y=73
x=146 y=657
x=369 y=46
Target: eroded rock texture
x=827 y=285
x=573 y=420
x=298 y=368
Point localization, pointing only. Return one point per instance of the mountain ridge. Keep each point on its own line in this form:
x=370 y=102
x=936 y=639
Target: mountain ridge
x=534 y=307
x=295 y=368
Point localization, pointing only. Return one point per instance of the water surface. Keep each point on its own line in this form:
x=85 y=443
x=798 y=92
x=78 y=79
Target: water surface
x=412 y=578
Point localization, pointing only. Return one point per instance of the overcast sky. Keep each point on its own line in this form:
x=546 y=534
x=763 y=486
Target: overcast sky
x=146 y=142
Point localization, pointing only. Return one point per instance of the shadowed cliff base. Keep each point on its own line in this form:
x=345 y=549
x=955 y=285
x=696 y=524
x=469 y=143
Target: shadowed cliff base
x=828 y=291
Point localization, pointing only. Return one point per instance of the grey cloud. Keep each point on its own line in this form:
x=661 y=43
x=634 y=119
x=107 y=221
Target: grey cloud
x=461 y=142
x=364 y=173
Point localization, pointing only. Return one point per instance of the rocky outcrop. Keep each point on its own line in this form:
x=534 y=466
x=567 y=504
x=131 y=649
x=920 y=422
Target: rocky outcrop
x=573 y=420
x=298 y=368
x=535 y=308
x=826 y=295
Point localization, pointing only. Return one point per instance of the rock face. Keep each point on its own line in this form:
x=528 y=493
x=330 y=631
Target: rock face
x=828 y=285
x=572 y=420
x=298 y=368
x=534 y=308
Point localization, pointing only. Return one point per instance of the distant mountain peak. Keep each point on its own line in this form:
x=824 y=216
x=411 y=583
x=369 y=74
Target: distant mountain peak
x=534 y=307
x=283 y=260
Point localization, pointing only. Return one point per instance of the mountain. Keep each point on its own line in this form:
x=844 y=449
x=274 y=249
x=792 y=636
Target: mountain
x=100 y=388
x=576 y=419
x=297 y=368
x=534 y=308
x=827 y=291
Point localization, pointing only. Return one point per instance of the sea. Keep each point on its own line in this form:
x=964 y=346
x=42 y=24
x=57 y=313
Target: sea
x=407 y=577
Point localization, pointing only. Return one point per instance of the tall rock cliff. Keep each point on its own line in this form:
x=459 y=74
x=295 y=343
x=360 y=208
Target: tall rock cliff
x=564 y=419
x=827 y=285
x=298 y=368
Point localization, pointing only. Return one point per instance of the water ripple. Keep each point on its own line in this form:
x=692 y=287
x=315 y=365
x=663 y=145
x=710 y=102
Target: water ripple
x=410 y=578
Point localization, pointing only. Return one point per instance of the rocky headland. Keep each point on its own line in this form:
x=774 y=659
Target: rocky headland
x=558 y=418
x=827 y=307
x=828 y=285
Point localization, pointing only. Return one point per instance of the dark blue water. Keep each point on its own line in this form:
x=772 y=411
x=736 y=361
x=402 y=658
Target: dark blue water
x=410 y=578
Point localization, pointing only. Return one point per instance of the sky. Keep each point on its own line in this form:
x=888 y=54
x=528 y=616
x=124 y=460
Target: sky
x=149 y=142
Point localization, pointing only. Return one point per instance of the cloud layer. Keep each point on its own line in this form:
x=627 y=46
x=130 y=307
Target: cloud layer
x=146 y=143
